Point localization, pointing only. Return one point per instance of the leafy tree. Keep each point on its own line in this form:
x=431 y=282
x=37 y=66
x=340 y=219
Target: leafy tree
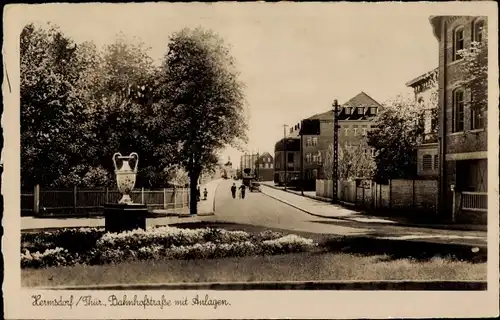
x=475 y=66
x=200 y=91
x=353 y=162
x=399 y=127
x=50 y=105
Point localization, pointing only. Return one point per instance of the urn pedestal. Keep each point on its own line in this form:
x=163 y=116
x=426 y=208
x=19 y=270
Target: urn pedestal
x=125 y=217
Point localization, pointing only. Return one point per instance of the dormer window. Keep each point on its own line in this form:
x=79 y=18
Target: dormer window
x=361 y=110
x=373 y=111
x=458 y=43
x=347 y=110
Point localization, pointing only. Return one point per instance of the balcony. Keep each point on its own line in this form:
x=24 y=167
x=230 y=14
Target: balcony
x=428 y=138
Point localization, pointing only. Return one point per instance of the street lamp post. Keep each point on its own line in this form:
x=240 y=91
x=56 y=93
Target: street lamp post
x=335 y=151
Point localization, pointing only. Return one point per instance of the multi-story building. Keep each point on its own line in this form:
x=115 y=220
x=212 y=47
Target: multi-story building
x=287 y=153
x=265 y=167
x=248 y=161
x=462 y=121
x=355 y=120
x=425 y=91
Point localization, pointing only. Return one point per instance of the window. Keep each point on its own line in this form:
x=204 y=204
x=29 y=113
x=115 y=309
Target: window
x=308 y=157
x=315 y=141
x=346 y=130
x=364 y=130
x=427 y=162
x=478 y=31
x=290 y=157
x=348 y=110
x=320 y=159
x=458 y=43
x=315 y=173
x=271 y=165
x=458 y=110
x=315 y=158
x=355 y=128
x=308 y=141
x=436 y=162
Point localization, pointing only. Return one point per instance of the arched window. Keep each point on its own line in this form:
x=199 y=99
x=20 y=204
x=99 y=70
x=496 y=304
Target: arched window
x=478 y=30
x=458 y=110
x=458 y=42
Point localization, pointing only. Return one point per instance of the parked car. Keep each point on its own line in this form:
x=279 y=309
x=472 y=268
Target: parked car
x=254 y=186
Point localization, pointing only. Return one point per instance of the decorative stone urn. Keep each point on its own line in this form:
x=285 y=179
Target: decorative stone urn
x=125 y=175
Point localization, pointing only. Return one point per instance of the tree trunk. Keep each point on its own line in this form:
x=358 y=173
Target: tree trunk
x=193 y=201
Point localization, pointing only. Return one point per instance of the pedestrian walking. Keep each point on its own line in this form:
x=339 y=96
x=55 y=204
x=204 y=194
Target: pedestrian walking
x=205 y=193
x=233 y=190
x=198 y=194
x=242 y=191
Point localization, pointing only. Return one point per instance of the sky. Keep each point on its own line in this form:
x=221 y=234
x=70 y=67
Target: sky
x=294 y=58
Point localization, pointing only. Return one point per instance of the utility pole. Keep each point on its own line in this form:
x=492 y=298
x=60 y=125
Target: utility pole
x=335 y=177
x=258 y=165
x=301 y=159
x=284 y=151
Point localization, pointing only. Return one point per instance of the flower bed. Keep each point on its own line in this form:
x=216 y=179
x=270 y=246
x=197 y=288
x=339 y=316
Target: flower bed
x=94 y=246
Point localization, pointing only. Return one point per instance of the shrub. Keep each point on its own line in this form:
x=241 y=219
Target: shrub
x=97 y=247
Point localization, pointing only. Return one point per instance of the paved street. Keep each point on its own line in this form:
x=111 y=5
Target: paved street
x=270 y=209
x=260 y=210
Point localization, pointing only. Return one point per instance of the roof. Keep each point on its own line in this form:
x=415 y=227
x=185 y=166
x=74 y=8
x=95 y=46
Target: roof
x=362 y=99
x=423 y=77
x=435 y=21
x=265 y=154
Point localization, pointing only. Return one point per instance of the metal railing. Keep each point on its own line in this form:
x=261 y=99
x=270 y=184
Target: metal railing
x=475 y=201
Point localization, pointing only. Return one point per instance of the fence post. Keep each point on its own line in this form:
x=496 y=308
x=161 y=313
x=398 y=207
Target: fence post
x=74 y=199
x=390 y=193
x=413 y=194
x=107 y=195
x=142 y=195
x=364 y=204
x=164 y=198
x=175 y=198
x=36 y=199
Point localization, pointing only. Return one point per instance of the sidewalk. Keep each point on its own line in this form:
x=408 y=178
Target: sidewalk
x=321 y=207
x=205 y=208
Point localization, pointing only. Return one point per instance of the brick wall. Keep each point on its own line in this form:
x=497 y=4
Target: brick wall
x=420 y=195
x=452 y=76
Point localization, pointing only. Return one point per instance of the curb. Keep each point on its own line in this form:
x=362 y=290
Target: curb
x=293 y=285
x=401 y=224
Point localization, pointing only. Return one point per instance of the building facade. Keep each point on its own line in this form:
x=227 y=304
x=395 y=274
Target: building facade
x=287 y=153
x=355 y=120
x=462 y=122
x=265 y=167
x=248 y=161
x=426 y=97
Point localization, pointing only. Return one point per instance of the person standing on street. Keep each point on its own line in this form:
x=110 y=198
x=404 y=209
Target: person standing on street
x=205 y=193
x=233 y=190
x=242 y=189
x=198 y=194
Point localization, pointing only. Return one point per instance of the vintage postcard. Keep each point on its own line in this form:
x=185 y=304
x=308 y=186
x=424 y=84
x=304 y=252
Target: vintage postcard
x=250 y=160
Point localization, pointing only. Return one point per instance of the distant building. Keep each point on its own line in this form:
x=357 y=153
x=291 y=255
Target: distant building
x=248 y=161
x=265 y=167
x=228 y=168
x=287 y=153
x=355 y=120
x=427 y=149
x=462 y=123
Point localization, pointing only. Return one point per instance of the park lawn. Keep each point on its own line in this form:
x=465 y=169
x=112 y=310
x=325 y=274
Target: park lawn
x=289 y=267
